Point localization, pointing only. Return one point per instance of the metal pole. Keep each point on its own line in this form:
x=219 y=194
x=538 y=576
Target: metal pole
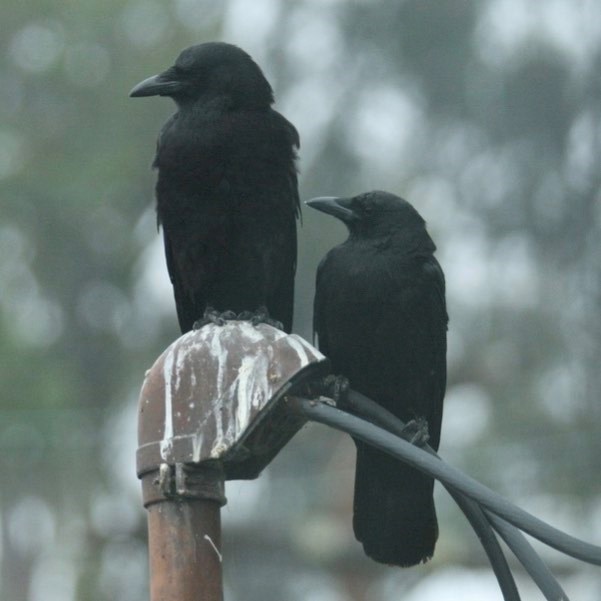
x=184 y=532
x=211 y=407
x=184 y=540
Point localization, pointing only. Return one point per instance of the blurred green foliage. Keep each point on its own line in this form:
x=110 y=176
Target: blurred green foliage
x=486 y=115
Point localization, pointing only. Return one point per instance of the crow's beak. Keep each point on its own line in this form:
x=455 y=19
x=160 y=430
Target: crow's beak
x=337 y=207
x=163 y=84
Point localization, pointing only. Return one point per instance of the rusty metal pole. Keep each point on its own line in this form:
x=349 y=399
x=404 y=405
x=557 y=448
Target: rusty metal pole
x=184 y=542
x=212 y=407
x=184 y=532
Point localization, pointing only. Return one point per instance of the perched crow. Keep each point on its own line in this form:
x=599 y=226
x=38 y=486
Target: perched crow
x=381 y=318
x=227 y=194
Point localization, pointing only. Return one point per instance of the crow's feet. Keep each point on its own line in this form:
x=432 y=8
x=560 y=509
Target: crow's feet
x=261 y=315
x=332 y=387
x=416 y=432
x=338 y=388
x=219 y=318
x=211 y=315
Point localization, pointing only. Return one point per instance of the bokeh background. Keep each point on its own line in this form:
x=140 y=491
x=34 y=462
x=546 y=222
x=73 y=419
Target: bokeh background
x=485 y=114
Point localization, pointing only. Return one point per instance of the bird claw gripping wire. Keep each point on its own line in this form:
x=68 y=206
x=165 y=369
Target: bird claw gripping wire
x=338 y=389
x=331 y=387
x=416 y=432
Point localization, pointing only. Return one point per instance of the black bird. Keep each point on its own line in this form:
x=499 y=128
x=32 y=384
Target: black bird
x=227 y=194
x=380 y=316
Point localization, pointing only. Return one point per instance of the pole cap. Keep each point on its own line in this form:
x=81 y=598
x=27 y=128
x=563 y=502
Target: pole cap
x=218 y=394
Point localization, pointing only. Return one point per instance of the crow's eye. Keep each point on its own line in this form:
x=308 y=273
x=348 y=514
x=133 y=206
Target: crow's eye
x=182 y=69
x=368 y=208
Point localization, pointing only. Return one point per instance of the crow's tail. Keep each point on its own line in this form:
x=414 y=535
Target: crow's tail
x=394 y=515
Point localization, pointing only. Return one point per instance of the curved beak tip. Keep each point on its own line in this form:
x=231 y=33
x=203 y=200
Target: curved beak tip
x=142 y=88
x=155 y=85
x=321 y=201
x=332 y=205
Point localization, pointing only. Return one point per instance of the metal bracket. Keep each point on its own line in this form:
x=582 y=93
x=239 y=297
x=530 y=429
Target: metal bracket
x=184 y=481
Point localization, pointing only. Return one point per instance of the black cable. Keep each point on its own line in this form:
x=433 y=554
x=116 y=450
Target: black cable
x=532 y=563
x=422 y=460
x=479 y=522
x=377 y=414
x=514 y=539
x=528 y=557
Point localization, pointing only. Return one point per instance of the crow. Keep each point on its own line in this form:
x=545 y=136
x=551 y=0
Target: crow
x=227 y=193
x=380 y=317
